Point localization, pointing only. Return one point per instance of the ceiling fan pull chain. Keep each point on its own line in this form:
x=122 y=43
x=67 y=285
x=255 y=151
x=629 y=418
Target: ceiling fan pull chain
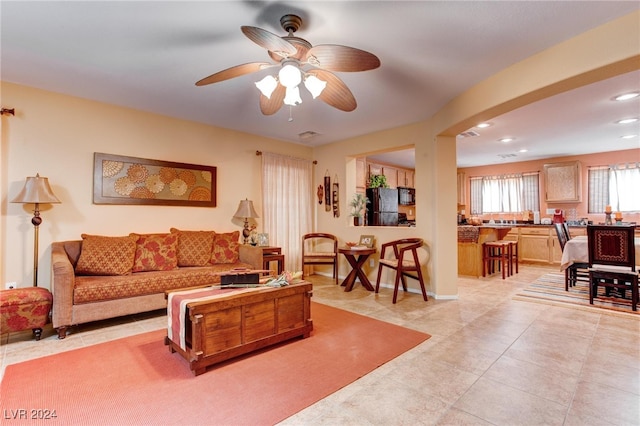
x=290 y=114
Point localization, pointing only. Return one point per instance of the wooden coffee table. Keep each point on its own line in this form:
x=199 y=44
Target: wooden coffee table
x=231 y=324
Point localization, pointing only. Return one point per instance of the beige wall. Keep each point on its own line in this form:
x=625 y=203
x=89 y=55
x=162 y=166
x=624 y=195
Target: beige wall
x=57 y=135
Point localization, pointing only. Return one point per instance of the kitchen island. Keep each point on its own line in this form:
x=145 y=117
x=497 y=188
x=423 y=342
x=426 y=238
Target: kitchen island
x=470 y=240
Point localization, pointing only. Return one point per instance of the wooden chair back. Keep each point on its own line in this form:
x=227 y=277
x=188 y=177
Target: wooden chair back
x=563 y=236
x=319 y=248
x=611 y=245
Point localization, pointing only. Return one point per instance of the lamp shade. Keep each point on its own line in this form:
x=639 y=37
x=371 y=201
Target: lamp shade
x=292 y=96
x=246 y=210
x=36 y=190
x=314 y=85
x=267 y=85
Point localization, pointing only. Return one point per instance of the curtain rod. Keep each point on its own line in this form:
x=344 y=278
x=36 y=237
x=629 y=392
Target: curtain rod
x=260 y=153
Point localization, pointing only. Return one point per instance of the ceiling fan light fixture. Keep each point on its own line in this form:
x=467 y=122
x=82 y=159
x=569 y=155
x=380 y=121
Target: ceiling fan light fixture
x=314 y=85
x=292 y=96
x=627 y=96
x=267 y=85
x=289 y=75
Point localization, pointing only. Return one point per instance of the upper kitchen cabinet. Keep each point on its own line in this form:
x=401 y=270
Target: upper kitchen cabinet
x=563 y=182
x=391 y=174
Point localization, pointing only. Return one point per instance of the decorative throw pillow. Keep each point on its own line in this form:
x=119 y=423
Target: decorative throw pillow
x=226 y=248
x=106 y=255
x=194 y=247
x=155 y=252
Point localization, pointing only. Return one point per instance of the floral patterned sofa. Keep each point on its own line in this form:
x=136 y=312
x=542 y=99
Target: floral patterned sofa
x=102 y=277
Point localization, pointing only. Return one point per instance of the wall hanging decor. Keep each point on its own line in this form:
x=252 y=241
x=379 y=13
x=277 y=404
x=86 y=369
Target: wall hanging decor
x=336 y=192
x=320 y=194
x=327 y=191
x=129 y=180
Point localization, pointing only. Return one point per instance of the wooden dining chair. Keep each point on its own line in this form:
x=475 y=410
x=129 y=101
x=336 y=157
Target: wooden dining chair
x=612 y=261
x=576 y=271
x=320 y=248
x=402 y=256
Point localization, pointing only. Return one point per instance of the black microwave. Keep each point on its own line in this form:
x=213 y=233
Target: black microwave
x=406 y=196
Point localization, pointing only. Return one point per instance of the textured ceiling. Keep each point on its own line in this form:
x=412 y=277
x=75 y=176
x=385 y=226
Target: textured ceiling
x=148 y=55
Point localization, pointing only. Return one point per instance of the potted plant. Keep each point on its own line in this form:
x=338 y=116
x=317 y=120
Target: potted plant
x=358 y=206
x=378 y=181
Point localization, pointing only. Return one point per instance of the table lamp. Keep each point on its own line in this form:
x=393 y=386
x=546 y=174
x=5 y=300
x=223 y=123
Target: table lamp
x=36 y=191
x=246 y=211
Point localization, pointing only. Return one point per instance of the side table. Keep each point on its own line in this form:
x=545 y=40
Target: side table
x=356 y=258
x=272 y=254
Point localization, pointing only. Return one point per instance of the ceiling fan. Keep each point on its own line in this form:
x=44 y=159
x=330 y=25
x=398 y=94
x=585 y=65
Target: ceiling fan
x=299 y=61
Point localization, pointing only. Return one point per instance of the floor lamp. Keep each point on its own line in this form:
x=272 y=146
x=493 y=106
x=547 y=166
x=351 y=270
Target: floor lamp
x=36 y=191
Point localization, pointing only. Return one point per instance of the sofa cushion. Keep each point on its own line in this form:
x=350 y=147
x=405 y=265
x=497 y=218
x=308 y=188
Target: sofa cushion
x=102 y=255
x=155 y=252
x=194 y=247
x=226 y=248
x=90 y=289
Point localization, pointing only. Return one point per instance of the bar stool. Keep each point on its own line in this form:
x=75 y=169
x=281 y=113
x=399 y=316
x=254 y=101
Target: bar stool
x=496 y=251
x=513 y=256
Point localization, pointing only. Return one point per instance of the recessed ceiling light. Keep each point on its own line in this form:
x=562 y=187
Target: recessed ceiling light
x=524 y=150
x=505 y=140
x=628 y=136
x=627 y=120
x=484 y=125
x=627 y=96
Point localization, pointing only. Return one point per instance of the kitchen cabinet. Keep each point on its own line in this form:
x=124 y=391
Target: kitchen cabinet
x=396 y=176
x=533 y=245
x=563 y=182
x=391 y=173
x=402 y=177
x=540 y=244
x=374 y=169
x=409 y=179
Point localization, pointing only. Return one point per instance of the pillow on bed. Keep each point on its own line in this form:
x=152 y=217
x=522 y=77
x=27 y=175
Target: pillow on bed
x=194 y=247
x=106 y=255
x=155 y=252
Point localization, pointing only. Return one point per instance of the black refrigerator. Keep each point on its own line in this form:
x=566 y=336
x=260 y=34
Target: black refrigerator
x=383 y=207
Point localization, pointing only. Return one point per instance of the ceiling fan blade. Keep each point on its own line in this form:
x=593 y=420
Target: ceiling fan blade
x=336 y=94
x=334 y=57
x=270 y=106
x=233 y=72
x=269 y=41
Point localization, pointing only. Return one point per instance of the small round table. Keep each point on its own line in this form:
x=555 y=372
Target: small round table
x=356 y=258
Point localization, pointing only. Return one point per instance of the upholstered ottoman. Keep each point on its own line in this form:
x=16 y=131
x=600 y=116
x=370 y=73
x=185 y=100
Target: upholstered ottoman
x=25 y=308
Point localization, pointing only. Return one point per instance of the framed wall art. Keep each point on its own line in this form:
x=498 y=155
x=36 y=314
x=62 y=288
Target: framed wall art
x=130 y=180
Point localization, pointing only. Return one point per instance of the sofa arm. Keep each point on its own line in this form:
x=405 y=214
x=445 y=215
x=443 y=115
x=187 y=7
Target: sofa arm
x=251 y=255
x=64 y=279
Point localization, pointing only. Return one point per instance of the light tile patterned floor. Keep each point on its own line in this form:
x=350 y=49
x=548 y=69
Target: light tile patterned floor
x=491 y=361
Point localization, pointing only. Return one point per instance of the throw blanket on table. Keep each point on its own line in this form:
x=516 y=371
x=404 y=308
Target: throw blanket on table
x=177 y=308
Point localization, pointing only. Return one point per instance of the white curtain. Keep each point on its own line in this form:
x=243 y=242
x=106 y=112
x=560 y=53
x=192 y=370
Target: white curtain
x=505 y=194
x=616 y=186
x=287 y=200
x=623 y=188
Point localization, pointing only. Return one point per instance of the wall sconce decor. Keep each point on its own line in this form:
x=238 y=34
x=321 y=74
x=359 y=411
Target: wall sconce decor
x=36 y=191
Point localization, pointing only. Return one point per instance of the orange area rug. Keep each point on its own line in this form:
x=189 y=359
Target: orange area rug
x=136 y=380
